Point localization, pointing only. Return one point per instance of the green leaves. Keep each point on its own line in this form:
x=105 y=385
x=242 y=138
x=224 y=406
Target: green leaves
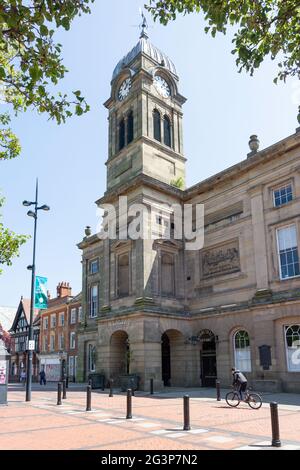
x=31 y=62
x=265 y=28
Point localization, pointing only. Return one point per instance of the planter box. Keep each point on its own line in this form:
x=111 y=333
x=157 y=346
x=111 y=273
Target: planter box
x=97 y=380
x=129 y=381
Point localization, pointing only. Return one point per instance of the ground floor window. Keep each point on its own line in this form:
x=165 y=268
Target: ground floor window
x=242 y=351
x=72 y=366
x=292 y=341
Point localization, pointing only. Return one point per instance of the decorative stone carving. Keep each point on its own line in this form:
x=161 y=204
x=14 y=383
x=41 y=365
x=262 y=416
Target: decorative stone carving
x=221 y=260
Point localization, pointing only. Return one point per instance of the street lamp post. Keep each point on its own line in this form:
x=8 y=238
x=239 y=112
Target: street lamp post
x=32 y=268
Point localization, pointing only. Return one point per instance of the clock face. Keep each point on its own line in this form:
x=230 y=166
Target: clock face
x=125 y=89
x=162 y=86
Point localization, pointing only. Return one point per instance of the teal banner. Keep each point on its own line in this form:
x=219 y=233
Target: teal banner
x=40 y=293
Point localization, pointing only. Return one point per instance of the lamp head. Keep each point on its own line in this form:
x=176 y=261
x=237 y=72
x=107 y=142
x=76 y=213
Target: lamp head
x=31 y=214
x=27 y=203
x=44 y=208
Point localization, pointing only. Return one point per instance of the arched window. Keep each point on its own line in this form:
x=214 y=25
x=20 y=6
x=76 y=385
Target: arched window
x=130 y=127
x=167 y=275
x=123 y=275
x=292 y=338
x=156 y=125
x=167 y=131
x=121 y=134
x=242 y=351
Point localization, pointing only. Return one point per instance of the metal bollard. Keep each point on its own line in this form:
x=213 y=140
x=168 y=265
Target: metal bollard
x=129 y=404
x=64 y=389
x=151 y=386
x=186 y=413
x=218 y=387
x=111 y=388
x=59 y=394
x=89 y=398
x=275 y=425
x=67 y=381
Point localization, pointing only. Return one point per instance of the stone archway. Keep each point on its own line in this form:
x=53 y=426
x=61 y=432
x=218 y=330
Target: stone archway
x=208 y=358
x=119 y=358
x=173 y=358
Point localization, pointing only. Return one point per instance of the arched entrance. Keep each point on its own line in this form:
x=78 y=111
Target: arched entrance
x=208 y=358
x=173 y=358
x=119 y=354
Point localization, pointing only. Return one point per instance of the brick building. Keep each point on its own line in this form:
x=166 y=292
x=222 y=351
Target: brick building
x=58 y=334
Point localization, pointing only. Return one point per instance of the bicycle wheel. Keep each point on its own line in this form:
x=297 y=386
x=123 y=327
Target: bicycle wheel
x=232 y=399
x=254 y=401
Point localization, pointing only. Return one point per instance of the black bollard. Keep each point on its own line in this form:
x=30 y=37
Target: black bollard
x=129 y=404
x=111 y=388
x=151 y=386
x=186 y=413
x=275 y=425
x=67 y=381
x=89 y=398
x=64 y=389
x=218 y=387
x=59 y=394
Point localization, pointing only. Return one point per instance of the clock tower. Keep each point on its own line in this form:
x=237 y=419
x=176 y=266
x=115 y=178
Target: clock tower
x=145 y=118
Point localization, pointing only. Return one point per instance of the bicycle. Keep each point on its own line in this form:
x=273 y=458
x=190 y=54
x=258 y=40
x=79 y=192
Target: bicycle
x=254 y=400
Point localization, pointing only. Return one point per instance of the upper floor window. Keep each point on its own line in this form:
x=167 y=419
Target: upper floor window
x=288 y=252
x=45 y=343
x=156 y=125
x=61 y=341
x=242 y=351
x=167 y=275
x=53 y=320
x=167 y=131
x=121 y=134
x=93 y=301
x=130 y=127
x=73 y=316
x=94 y=266
x=123 y=275
x=45 y=323
x=52 y=342
x=61 y=319
x=283 y=195
x=72 y=340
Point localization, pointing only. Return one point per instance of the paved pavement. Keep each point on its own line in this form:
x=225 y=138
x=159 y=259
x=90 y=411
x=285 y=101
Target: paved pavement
x=156 y=424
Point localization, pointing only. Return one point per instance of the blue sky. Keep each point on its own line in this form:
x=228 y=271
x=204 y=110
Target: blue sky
x=223 y=109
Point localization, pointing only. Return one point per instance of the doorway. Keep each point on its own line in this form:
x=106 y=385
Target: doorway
x=166 y=360
x=208 y=359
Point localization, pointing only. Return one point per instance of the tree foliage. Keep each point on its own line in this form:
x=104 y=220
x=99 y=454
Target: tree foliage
x=10 y=243
x=31 y=63
x=265 y=28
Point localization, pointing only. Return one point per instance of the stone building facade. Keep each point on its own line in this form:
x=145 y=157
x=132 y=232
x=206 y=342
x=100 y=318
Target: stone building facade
x=185 y=317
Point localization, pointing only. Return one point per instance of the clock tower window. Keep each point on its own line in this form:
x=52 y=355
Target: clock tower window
x=156 y=125
x=167 y=132
x=122 y=134
x=130 y=128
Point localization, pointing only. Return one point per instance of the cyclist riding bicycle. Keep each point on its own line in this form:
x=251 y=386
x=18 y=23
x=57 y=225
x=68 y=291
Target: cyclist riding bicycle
x=240 y=382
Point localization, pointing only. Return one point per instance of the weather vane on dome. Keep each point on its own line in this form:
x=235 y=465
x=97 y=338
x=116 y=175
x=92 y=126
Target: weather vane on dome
x=144 y=25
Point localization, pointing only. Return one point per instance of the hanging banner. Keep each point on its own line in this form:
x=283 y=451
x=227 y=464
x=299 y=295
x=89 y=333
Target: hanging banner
x=40 y=293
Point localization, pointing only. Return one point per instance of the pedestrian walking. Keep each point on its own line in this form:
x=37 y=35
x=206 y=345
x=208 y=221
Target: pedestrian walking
x=23 y=377
x=42 y=377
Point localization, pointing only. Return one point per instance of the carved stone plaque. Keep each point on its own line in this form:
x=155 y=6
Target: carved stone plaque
x=220 y=260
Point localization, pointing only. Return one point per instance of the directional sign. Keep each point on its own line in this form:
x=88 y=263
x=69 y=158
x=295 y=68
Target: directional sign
x=40 y=293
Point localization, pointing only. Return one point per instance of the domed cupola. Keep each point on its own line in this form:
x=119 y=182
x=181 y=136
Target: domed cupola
x=144 y=46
